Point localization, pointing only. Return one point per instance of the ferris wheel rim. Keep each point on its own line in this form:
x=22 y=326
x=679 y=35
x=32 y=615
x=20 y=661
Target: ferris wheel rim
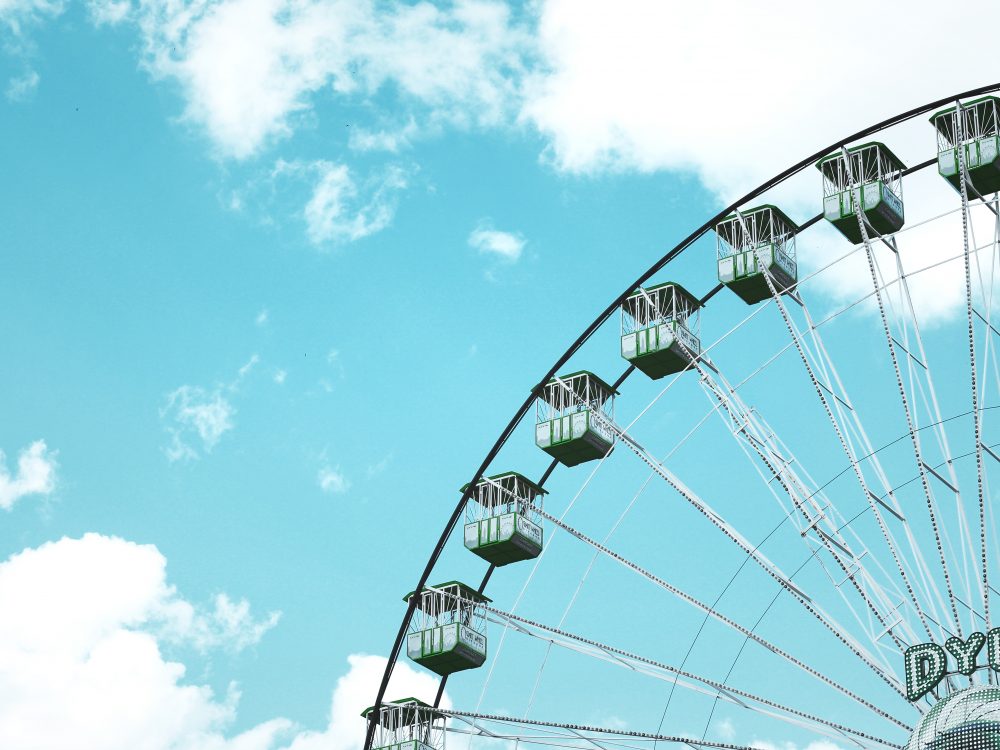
x=522 y=411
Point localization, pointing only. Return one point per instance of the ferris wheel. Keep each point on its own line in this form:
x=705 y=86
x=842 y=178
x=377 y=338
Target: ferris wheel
x=788 y=535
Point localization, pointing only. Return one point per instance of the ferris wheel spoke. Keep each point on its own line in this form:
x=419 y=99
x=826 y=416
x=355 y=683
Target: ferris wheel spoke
x=693 y=601
x=583 y=578
x=819 y=386
x=929 y=394
x=911 y=427
x=750 y=428
x=536 y=734
x=531 y=575
x=675 y=675
x=891 y=503
x=932 y=404
x=819 y=529
x=990 y=359
x=757 y=556
x=554 y=463
x=847 y=524
x=546 y=731
x=965 y=184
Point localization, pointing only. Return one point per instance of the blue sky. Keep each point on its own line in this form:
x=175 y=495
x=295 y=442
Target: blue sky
x=277 y=273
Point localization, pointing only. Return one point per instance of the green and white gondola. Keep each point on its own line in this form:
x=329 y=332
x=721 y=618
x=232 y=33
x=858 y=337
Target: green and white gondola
x=407 y=724
x=754 y=242
x=659 y=329
x=976 y=133
x=448 y=631
x=573 y=414
x=502 y=525
x=874 y=171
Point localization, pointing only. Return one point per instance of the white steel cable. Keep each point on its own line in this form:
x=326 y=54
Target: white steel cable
x=928 y=493
x=964 y=181
x=724 y=619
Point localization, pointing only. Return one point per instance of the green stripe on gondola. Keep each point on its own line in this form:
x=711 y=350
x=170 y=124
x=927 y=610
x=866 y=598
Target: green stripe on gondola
x=490 y=542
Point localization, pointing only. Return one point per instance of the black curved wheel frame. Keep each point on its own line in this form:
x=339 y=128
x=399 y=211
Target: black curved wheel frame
x=374 y=717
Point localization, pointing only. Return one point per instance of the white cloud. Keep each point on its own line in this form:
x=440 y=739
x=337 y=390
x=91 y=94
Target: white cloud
x=725 y=729
x=593 y=77
x=36 y=474
x=17 y=14
x=108 y=12
x=21 y=88
x=248 y=366
x=504 y=245
x=194 y=414
x=355 y=691
x=611 y=96
x=250 y=69
x=339 y=210
x=80 y=642
x=740 y=111
x=86 y=622
x=229 y=625
x=335 y=204
x=375 y=469
x=193 y=411
x=391 y=140
x=280 y=376
x=332 y=480
x=262 y=317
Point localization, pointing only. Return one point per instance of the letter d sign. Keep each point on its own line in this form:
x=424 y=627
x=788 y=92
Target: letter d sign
x=925 y=668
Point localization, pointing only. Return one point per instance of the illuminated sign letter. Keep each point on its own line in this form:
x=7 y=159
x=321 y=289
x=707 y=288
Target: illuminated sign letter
x=925 y=668
x=993 y=647
x=965 y=652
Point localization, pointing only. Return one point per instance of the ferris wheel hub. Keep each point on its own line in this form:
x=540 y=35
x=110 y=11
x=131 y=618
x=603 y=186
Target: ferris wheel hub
x=965 y=720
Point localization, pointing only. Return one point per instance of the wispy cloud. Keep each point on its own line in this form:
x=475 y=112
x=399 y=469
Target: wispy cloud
x=332 y=480
x=22 y=87
x=333 y=203
x=506 y=246
x=196 y=416
x=339 y=210
x=17 y=15
x=335 y=361
x=725 y=730
x=375 y=469
x=249 y=365
x=195 y=412
x=262 y=317
x=279 y=376
x=252 y=72
x=36 y=474
x=389 y=140
x=228 y=625
x=108 y=12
